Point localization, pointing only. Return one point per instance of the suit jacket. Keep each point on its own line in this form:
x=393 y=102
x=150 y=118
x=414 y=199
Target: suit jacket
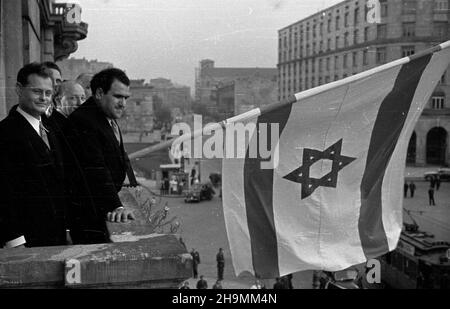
x=85 y=223
x=34 y=197
x=103 y=158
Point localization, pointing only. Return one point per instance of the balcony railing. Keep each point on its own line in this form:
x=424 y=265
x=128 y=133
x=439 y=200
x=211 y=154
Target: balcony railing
x=135 y=257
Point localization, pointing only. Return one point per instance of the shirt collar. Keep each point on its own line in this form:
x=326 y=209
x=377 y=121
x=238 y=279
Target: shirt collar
x=31 y=120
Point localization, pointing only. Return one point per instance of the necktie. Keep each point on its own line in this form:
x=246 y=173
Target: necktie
x=43 y=132
x=116 y=130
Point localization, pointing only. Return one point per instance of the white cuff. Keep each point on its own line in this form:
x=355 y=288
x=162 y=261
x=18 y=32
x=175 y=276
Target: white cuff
x=16 y=242
x=120 y=207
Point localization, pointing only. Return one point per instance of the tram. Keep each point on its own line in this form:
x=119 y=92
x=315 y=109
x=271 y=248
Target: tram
x=419 y=262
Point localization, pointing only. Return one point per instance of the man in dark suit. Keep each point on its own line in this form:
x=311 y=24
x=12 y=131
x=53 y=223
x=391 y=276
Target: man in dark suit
x=102 y=154
x=33 y=205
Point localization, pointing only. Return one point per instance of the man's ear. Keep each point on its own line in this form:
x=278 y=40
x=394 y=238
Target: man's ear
x=19 y=89
x=99 y=94
x=58 y=100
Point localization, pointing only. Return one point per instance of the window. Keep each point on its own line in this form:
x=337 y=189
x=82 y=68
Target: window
x=328 y=44
x=409 y=29
x=320 y=65
x=354 y=59
x=381 y=31
x=321 y=29
x=314 y=48
x=327 y=79
x=409 y=6
x=345 y=61
x=336 y=77
x=355 y=36
x=356 y=16
x=329 y=25
x=336 y=58
x=383 y=8
x=314 y=31
x=441 y=5
x=381 y=55
x=408 y=51
x=366 y=34
x=365 y=57
x=437 y=101
x=320 y=81
x=337 y=22
x=336 y=45
x=346 y=20
x=346 y=42
x=440 y=29
x=328 y=64
x=320 y=46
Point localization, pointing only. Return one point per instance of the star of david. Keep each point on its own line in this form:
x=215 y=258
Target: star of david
x=311 y=156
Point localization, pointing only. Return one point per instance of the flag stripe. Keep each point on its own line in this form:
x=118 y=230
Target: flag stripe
x=258 y=188
x=388 y=126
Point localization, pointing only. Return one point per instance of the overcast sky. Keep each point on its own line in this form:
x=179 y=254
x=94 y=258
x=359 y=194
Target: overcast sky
x=168 y=38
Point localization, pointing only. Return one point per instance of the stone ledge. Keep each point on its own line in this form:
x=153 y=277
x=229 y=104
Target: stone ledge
x=160 y=261
x=136 y=258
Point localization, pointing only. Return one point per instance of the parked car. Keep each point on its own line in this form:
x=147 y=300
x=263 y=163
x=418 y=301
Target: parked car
x=339 y=280
x=199 y=192
x=443 y=173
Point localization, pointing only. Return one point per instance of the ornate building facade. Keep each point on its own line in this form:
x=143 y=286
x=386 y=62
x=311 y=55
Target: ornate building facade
x=341 y=41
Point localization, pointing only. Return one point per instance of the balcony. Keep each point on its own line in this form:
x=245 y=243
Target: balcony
x=68 y=28
x=136 y=257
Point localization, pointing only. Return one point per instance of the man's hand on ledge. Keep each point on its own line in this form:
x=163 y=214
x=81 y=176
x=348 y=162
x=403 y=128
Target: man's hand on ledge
x=120 y=214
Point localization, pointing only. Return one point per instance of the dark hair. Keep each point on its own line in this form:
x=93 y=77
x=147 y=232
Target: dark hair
x=52 y=65
x=29 y=69
x=104 y=79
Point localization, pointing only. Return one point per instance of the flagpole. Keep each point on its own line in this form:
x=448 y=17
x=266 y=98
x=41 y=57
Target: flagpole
x=290 y=100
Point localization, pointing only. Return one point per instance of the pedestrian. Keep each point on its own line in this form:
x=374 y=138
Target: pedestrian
x=195 y=261
x=412 y=188
x=405 y=189
x=166 y=185
x=289 y=281
x=431 y=196
x=220 y=264
x=185 y=286
x=217 y=285
x=202 y=283
x=432 y=181
x=279 y=284
x=438 y=182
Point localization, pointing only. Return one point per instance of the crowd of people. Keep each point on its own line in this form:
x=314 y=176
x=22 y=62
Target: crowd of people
x=63 y=161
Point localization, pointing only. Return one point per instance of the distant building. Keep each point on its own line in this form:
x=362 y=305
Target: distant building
x=138 y=116
x=228 y=91
x=338 y=42
x=33 y=30
x=72 y=68
x=172 y=95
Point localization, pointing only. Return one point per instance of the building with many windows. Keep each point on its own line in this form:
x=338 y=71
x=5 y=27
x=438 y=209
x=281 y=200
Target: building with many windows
x=339 y=41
